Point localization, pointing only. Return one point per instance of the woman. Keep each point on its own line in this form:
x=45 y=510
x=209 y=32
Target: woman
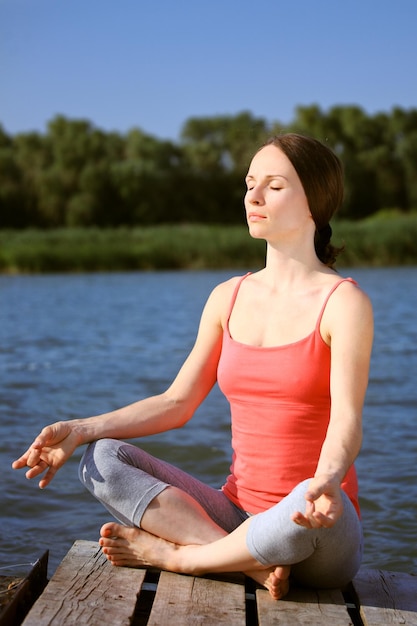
x=290 y=347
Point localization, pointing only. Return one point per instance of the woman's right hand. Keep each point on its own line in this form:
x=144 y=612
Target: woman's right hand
x=49 y=451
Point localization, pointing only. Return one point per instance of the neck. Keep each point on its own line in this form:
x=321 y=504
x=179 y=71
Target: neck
x=287 y=267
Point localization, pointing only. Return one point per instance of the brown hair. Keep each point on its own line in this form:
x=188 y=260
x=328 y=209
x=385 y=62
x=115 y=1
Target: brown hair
x=321 y=175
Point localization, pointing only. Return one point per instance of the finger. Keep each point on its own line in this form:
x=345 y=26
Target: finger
x=311 y=495
x=300 y=519
x=21 y=461
x=313 y=516
x=30 y=457
x=325 y=520
x=36 y=470
x=297 y=516
x=34 y=457
x=310 y=508
x=44 y=482
x=314 y=522
x=314 y=494
x=45 y=437
x=319 y=520
x=41 y=440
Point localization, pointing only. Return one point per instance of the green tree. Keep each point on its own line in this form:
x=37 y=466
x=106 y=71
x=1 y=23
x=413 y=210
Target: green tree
x=12 y=195
x=78 y=175
x=404 y=129
x=33 y=157
x=221 y=143
x=144 y=178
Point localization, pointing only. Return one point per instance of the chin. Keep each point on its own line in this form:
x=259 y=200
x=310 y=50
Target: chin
x=255 y=233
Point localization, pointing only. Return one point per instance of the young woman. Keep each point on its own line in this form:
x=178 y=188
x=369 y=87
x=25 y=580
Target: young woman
x=290 y=348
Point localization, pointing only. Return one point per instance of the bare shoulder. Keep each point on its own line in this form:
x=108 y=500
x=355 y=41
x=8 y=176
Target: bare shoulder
x=349 y=295
x=219 y=300
x=349 y=310
x=225 y=289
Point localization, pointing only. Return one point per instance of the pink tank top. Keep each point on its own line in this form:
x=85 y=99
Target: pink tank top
x=280 y=409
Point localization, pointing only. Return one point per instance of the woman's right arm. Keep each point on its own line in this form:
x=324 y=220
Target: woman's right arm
x=166 y=411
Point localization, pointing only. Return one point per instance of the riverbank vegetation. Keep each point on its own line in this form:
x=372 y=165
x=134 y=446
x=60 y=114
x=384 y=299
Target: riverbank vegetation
x=77 y=198
x=76 y=175
x=388 y=238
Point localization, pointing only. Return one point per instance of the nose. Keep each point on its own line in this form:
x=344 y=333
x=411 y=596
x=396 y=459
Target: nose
x=254 y=196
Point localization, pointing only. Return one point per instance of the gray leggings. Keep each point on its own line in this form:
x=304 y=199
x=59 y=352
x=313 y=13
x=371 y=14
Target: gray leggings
x=125 y=479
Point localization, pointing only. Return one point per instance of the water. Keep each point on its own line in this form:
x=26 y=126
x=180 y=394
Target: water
x=78 y=345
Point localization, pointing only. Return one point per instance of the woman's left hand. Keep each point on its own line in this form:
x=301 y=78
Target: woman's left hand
x=324 y=504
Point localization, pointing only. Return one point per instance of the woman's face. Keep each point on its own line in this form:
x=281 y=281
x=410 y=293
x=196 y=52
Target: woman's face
x=275 y=202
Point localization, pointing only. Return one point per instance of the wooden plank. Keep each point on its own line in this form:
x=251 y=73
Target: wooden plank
x=303 y=606
x=386 y=597
x=24 y=594
x=87 y=589
x=189 y=601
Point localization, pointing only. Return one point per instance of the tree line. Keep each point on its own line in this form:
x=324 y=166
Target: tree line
x=76 y=175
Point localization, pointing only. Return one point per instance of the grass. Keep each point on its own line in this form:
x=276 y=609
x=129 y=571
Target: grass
x=386 y=239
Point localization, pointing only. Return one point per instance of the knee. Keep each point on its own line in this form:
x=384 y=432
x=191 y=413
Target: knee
x=95 y=459
x=296 y=500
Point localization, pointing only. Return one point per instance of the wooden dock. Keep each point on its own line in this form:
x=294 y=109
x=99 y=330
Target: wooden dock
x=87 y=589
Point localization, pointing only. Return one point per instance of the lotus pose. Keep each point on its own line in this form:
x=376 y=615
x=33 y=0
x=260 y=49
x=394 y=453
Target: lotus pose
x=290 y=348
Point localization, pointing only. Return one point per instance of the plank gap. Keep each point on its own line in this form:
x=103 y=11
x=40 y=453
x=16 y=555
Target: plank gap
x=352 y=605
x=145 y=599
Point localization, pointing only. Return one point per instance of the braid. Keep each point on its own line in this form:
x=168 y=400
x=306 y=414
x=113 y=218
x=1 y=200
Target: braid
x=325 y=251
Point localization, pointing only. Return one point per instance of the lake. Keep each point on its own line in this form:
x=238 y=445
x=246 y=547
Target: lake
x=79 y=345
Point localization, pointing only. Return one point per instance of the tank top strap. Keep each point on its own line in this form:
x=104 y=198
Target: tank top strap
x=235 y=292
x=332 y=290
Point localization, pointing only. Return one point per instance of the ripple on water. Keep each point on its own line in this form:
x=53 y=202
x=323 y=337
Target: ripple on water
x=61 y=357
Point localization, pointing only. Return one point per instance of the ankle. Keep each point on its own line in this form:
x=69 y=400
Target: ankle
x=185 y=562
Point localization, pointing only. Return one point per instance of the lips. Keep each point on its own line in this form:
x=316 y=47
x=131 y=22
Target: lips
x=255 y=217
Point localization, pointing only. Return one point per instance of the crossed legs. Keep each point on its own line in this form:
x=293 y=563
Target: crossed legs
x=174 y=522
x=197 y=546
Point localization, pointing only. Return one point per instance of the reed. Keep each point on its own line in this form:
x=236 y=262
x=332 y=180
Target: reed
x=383 y=240
x=388 y=238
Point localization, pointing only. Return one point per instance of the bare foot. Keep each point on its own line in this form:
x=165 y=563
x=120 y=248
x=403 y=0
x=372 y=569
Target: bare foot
x=134 y=547
x=278 y=583
x=275 y=579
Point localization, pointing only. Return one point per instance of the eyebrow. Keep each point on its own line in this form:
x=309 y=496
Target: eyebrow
x=268 y=177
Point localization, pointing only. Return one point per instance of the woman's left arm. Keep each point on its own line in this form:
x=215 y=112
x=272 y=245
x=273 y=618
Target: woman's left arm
x=347 y=325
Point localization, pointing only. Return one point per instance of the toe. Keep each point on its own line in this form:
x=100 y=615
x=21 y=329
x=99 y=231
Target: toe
x=107 y=542
x=112 y=529
x=107 y=529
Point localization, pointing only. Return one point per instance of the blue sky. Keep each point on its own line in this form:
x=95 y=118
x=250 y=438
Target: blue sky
x=154 y=64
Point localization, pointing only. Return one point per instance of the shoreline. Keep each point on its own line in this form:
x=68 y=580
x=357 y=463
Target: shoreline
x=384 y=241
